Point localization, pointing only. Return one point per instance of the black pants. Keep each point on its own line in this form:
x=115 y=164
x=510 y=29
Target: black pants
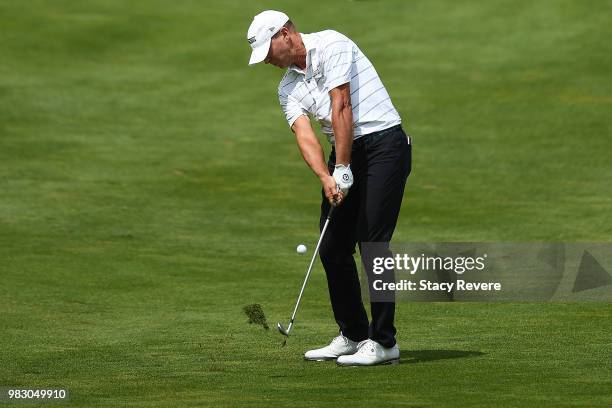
x=381 y=163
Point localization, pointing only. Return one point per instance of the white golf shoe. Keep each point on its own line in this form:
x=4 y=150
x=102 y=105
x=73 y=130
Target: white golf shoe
x=339 y=346
x=371 y=353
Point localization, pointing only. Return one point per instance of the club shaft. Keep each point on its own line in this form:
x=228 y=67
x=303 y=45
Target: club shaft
x=314 y=255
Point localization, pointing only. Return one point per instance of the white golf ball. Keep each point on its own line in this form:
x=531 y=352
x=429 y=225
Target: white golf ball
x=301 y=249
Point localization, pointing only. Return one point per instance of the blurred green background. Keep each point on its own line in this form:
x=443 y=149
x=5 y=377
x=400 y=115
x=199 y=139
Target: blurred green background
x=150 y=188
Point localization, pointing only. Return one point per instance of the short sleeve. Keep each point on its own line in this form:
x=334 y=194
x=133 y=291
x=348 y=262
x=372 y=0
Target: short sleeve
x=337 y=62
x=291 y=108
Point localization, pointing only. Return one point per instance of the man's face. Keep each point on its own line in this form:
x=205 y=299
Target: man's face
x=279 y=53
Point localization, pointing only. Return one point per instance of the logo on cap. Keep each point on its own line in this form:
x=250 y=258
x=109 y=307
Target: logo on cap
x=271 y=29
x=251 y=40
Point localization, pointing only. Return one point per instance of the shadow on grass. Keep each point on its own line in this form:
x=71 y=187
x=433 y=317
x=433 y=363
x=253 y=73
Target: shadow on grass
x=420 y=356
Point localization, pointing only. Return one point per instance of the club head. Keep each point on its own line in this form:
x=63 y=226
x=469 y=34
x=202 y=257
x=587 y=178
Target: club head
x=281 y=329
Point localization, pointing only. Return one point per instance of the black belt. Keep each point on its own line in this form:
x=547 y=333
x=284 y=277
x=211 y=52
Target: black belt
x=357 y=143
x=384 y=131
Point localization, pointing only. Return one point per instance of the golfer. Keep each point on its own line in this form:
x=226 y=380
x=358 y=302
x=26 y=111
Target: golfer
x=328 y=78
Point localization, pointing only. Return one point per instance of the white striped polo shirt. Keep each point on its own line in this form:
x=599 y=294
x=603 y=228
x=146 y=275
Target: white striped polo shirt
x=332 y=59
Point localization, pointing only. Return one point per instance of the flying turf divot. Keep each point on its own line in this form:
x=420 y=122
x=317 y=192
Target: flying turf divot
x=256 y=315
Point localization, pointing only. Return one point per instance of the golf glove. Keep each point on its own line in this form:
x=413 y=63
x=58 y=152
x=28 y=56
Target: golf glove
x=344 y=177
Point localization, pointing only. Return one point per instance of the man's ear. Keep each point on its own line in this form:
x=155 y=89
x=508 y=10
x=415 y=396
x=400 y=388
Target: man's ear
x=285 y=33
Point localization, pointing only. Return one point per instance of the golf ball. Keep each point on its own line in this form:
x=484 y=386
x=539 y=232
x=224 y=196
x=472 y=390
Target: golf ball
x=301 y=249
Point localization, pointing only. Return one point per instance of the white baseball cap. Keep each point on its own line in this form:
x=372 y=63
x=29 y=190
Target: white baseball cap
x=264 y=26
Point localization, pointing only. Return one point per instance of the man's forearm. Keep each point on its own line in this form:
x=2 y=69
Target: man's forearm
x=342 y=123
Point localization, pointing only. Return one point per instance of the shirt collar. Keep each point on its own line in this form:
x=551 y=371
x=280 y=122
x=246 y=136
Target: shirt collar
x=312 y=60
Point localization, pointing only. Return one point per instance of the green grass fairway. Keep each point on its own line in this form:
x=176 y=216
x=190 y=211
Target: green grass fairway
x=150 y=188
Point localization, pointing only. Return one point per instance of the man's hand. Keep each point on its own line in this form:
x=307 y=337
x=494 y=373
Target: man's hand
x=344 y=178
x=330 y=188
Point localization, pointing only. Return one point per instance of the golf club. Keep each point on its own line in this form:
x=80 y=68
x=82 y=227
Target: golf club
x=281 y=329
